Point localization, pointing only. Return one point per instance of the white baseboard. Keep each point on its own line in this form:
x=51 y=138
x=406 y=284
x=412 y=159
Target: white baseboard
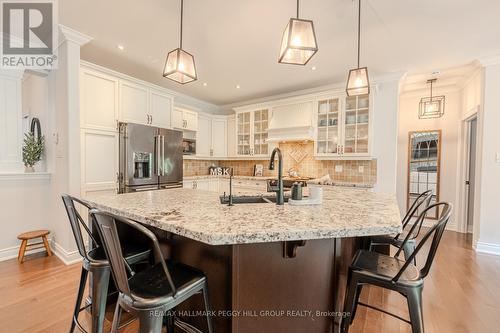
x=67 y=257
x=489 y=248
x=13 y=251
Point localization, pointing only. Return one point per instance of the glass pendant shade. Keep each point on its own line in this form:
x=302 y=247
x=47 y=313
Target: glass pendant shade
x=298 y=44
x=431 y=107
x=180 y=66
x=358 y=82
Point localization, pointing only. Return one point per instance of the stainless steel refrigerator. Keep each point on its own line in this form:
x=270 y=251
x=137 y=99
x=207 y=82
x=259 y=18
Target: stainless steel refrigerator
x=150 y=158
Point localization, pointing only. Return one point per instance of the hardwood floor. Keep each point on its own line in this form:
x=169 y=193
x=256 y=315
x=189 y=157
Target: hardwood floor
x=461 y=294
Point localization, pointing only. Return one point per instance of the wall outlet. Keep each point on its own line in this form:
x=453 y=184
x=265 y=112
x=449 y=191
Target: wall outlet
x=338 y=168
x=361 y=169
x=497 y=158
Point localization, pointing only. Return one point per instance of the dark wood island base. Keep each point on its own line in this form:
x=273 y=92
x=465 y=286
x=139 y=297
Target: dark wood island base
x=262 y=287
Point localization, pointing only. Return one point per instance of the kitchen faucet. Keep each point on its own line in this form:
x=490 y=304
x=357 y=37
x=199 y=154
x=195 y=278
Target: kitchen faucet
x=280 y=200
x=230 y=203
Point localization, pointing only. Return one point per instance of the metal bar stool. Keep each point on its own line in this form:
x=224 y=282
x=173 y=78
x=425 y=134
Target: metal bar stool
x=391 y=273
x=95 y=262
x=154 y=291
x=422 y=201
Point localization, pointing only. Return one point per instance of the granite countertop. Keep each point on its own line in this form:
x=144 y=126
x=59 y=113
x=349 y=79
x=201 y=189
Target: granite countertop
x=263 y=178
x=198 y=215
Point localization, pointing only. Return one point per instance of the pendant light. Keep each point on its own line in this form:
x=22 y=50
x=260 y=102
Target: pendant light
x=179 y=65
x=431 y=107
x=357 y=81
x=298 y=44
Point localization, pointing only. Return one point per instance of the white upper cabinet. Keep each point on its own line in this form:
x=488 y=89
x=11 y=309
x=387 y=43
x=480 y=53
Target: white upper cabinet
x=204 y=136
x=134 y=103
x=343 y=126
x=106 y=99
x=211 y=137
x=219 y=137
x=252 y=133
x=98 y=100
x=191 y=120
x=185 y=119
x=231 y=136
x=177 y=118
x=161 y=106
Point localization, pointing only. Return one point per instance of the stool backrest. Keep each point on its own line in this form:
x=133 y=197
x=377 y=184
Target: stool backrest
x=108 y=225
x=422 y=201
x=76 y=222
x=436 y=231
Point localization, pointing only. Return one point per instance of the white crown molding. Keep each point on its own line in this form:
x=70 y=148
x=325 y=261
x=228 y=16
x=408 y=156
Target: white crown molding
x=490 y=60
x=16 y=74
x=180 y=100
x=73 y=35
x=311 y=93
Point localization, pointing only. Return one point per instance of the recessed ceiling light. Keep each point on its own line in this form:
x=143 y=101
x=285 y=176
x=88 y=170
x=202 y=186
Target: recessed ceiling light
x=121 y=47
x=238 y=86
x=204 y=84
x=313 y=68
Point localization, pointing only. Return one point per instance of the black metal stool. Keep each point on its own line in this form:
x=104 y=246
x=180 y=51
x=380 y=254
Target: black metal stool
x=422 y=201
x=153 y=292
x=95 y=262
x=391 y=273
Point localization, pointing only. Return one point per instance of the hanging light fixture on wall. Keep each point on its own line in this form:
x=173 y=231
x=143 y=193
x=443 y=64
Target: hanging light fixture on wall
x=298 y=44
x=431 y=107
x=357 y=81
x=179 y=65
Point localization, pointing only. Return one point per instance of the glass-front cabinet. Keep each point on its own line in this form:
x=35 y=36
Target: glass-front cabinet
x=343 y=126
x=328 y=139
x=251 y=133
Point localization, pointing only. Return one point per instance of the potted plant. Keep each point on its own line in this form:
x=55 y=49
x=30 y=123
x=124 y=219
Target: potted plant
x=32 y=150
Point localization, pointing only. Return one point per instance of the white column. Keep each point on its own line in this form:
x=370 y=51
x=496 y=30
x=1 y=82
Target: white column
x=385 y=129
x=64 y=85
x=488 y=174
x=11 y=133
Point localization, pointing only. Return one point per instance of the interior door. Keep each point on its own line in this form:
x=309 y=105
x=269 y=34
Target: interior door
x=472 y=173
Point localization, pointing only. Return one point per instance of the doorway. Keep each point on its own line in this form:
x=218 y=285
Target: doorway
x=470 y=181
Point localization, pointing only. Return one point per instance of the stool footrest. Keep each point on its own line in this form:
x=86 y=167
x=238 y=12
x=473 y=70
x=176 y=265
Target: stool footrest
x=384 y=311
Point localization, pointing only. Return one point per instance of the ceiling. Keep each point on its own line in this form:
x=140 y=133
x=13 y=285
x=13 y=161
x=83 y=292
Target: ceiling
x=237 y=42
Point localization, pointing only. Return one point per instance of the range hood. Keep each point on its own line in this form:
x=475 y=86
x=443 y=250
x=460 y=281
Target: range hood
x=291 y=122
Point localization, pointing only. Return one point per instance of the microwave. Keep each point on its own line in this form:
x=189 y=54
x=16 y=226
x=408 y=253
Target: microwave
x=189 y=146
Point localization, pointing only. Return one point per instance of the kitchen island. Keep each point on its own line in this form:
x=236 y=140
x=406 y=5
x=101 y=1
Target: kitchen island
x=270 y=268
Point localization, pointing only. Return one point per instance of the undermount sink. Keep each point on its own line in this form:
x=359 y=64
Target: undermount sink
x=249 y=199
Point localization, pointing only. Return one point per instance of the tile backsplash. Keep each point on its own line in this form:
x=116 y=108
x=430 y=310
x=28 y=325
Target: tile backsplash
x=300 y=157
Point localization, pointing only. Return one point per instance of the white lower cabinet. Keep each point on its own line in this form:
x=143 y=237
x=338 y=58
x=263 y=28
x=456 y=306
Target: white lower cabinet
x=99 y=155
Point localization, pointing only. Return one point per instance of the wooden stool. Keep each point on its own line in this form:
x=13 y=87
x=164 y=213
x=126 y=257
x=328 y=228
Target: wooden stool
x=26 y=236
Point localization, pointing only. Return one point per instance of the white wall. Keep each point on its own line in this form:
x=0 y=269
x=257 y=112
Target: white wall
x=385 y=124
x=35 y=103
x=449 y=124
x=24 y=203
x=489 y=210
